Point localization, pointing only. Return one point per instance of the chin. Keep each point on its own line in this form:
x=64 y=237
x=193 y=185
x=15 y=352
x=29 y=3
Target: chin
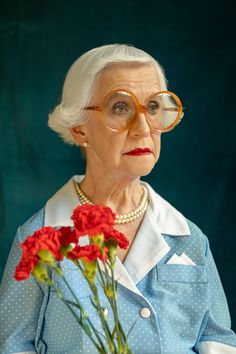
x=138 y=168
x=145 y=173
x=141 y=171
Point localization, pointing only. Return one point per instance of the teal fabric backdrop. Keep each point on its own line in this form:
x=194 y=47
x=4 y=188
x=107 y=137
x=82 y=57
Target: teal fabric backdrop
x=193 y=41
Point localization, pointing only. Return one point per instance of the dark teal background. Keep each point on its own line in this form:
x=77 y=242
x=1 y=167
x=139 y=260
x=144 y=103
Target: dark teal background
x=194 y=41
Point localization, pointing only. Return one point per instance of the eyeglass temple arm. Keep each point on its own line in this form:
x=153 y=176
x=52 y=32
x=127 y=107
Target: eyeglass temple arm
x=92 y=108
x=172 y=109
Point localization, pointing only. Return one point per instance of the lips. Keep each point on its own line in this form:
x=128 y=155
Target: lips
x=138 y=151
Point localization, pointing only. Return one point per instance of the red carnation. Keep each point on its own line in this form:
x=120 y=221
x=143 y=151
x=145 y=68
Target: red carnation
x=68 y=235
x=89 y=253
x=25 y=267
x=88 y=219
x=46 y=238
x=111 y=233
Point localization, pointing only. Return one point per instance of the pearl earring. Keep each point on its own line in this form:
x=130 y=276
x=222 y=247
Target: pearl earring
x=86 y=144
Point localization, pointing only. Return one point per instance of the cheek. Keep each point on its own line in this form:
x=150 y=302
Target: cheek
x=107 y=143
x=97 y=133
x=157 y=141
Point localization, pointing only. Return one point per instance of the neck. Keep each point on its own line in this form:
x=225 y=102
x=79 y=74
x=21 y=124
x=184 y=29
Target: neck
x=121 y=193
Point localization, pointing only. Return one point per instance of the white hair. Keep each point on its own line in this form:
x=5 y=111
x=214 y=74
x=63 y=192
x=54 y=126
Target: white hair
x=80 y=81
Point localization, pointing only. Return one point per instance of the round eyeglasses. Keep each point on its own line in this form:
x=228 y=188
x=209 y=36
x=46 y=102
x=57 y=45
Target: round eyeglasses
x=120 y=108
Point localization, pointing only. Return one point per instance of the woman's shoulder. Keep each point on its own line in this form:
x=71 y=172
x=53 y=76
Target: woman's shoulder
x=36 y=221
x=196 y=233
x=171 y=222
x=58 y=207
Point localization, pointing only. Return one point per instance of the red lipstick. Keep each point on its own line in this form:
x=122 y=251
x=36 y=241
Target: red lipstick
x=139 y=151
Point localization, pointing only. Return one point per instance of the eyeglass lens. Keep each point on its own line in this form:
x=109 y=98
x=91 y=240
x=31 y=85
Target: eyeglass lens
x=120 y=109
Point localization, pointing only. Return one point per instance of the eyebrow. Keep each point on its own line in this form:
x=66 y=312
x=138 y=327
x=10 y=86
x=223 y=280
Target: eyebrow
x=134 y=94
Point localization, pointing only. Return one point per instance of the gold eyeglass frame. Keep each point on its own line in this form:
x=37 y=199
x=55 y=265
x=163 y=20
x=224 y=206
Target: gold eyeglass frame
x=141 y=109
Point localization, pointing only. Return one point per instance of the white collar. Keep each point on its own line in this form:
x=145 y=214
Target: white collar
x=147 y=249
x=60 y=206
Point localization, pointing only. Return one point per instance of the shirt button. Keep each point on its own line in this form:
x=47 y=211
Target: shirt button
x=145 y=312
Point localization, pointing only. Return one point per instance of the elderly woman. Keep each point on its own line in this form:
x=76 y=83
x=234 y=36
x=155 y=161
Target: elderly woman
x=115 y=106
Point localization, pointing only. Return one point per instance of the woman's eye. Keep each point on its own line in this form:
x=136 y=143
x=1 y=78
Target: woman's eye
x=153 y=107
x=120 y=107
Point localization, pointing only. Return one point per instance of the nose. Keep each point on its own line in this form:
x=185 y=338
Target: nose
x=140 y=126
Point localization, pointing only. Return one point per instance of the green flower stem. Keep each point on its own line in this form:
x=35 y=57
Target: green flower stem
x=100 y=312
x=96 y=332
x=82 y=311
x=100 y=349
x=112 y=301
x=115 y=311
x=101 y=276
x=121 y=337
x=109 y=336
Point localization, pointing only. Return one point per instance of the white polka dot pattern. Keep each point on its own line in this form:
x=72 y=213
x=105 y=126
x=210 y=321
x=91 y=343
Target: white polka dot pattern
x=188 y=305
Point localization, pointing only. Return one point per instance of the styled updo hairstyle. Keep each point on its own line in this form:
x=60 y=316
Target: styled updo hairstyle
x=80 y=81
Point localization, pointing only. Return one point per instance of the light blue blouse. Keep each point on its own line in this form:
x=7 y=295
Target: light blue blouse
x=168 y=284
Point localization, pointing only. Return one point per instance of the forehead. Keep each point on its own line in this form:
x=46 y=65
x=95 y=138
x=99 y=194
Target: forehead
x=141 y=79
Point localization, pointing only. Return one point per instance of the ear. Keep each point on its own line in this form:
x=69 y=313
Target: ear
x=79 y=134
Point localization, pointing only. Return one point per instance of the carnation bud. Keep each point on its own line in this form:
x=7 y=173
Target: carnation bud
x=41 y=273
x=112 y=249
x=109 y=291
x=98 y=240
x=64 y=249
x=90 y=270
x=47 y=257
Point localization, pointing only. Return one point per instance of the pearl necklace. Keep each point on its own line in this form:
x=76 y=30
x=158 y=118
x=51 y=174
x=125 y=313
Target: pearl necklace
x=120 y=219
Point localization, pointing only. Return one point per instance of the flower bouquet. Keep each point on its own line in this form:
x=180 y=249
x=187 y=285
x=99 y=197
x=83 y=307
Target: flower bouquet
x=43 y=251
